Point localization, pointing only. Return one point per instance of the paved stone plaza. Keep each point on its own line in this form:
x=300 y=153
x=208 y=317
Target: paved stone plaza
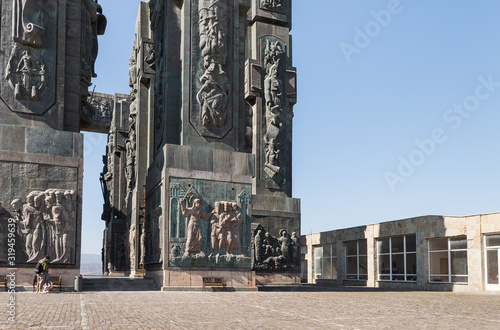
x=350 y=309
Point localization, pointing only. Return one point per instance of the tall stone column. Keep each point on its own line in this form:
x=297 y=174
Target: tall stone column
x=270 y=93
x=48 y=49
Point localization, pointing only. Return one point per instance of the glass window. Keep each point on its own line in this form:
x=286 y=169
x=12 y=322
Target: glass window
x=458 y=244
x=356 y=260
x=397 y=258
x=325 y=261
x=383 y=245
x=493 y=240
x=438 y=244
x=411 y=243
x=448 y=260
x=351 y=248
x=397 y=244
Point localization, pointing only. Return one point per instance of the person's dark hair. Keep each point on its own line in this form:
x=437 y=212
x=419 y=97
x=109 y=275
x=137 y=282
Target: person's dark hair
x=47 y=257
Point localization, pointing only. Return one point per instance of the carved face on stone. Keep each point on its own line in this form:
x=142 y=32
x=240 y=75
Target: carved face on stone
x=235 y=206
x=30 y=199
x=38 y=201
x=49 y=202
x=197 y=203
x=16 y=205
x=59 y=196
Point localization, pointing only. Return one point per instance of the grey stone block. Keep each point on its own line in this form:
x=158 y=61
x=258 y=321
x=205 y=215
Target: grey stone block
x=12 y=138
x=56 y=143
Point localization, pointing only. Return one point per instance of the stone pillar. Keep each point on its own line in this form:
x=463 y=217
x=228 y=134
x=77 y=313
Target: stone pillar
x=270 y=93
x=46 y=64
x=475 y=254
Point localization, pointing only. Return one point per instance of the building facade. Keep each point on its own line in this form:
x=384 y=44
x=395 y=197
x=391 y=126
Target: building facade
x=424 y=253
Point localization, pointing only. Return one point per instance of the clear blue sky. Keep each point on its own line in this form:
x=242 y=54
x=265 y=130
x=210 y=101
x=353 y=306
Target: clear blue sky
x=397 y=114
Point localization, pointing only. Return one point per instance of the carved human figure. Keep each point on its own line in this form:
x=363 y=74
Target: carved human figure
x=259 y=246
x=286 y=248
x=213 y=97
x=22 y=229
x=215 y=88
x=273 y=92
x=272 y=153
x=98 y=28
x=212 y=21
x=194 y=237
x=225 y=226
x=26 y=75
x=215 y=229
x=132 y=74
x=129 y=169
x=38 y=245
x=51 y=231
x=272 y=4
x=131 y=240
x=234 y=242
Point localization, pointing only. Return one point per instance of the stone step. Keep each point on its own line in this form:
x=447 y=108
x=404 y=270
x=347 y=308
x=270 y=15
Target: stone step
x=105 y=283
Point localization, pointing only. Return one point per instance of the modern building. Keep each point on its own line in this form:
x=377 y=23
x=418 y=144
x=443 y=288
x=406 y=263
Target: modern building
x=424 y=253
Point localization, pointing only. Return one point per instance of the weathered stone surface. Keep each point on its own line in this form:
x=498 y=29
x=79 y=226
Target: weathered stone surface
x=13 y=138
x=40 y=141
x=29 y=61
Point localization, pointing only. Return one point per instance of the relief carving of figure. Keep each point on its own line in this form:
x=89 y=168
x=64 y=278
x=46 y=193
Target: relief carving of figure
x=224 y=227
x=26 y=74
x=129 y=169
x=98 y=29
x=46 y=224
x=234 y=242
x=273 y=4
x=214 y=233
x=274 y=253
x=273 y=95
x=131 y=246
x=213 y=97
x=215 y=88
x=194 y=237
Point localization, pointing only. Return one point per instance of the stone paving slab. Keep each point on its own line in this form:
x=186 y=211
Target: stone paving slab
x=252 y=310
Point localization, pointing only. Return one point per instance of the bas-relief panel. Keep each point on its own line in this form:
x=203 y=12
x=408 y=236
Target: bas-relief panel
x=209 y=224
x=279 y=252
x=211 y=106
x=45 y=225
x=28 y=57
x=275 y=111
x=273 y=5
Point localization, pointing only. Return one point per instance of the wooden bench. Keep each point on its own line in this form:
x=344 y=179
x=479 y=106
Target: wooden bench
x=213 y=281
x=3 y=281
x=55 y=279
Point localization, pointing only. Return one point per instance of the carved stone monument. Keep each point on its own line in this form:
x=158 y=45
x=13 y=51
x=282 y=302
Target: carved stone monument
x=204 y=173
x=47 y=55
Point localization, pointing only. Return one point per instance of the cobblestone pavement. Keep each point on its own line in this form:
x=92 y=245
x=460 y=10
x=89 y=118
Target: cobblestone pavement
x=253 y=310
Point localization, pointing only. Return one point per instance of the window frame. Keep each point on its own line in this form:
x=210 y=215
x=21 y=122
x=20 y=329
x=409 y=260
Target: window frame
x=390 y=254
x=357 y=255
x=333 y=259
x=448 y=251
